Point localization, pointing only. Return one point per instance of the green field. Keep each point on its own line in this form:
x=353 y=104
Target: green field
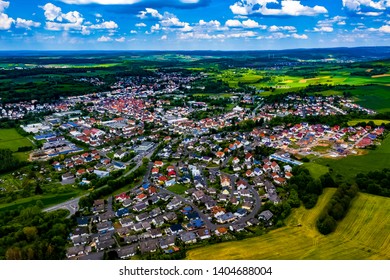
x=363 y=234
x=351 y=165
x=316 y=170
x=376 y=97
x=11 y=139
x=376 y=122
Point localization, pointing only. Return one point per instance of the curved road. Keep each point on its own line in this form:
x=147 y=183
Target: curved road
x=73 y=205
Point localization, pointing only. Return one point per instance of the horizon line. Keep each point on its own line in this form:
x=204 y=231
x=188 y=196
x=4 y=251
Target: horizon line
x=194 y=50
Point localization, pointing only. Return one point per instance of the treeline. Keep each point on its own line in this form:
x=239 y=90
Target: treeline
x=7 y=161
x=30 y=234
x=307 y=188
x=48 y=90
x=375 y=182
x=337 y=208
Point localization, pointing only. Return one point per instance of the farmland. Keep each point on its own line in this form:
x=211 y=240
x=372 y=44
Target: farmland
x=376 y=122
x=363 y=234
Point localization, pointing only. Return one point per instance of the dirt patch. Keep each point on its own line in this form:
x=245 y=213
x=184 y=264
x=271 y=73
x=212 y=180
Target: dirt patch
x=369 y=70
x=380 y=76
x=312 y=79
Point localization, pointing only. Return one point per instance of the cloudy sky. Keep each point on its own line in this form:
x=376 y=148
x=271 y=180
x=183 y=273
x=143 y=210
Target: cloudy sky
x=192 y=24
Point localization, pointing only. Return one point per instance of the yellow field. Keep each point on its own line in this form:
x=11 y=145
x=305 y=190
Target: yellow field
x=376 y=122
x=363 y=234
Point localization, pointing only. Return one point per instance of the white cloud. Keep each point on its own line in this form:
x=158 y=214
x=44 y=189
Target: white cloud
x=104 y=39
x=326 y=25
x=167 y=21
x=370 y=14
x=233 y=23
x=150 y=12
x=288 y=7
x=3 y=5
x=275 y=28
x=297 y=36
x=280 y=35
x=171 y=20
x=27 y=24
x=133 y=32
x=382 y=29
x=186 y=28
x=98 y=15
x=249 y=23
x=120 y=40
x=5 y=21
x=164 y=37
x=52 y=12
x=57 y=20
x=155 y=27
x=201 y=36
x=357 y=5
x=105 y=25
x=211 y=23
x=85 y=31
x=245 y=34
x=323 y=29
x=141 y=24
x=385 y=29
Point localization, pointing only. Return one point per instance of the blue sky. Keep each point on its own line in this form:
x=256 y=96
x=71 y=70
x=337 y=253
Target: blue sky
x=192 y=24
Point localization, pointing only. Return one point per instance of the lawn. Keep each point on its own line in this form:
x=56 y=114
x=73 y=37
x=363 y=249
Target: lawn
x=11 y=139
x=363 y=234
x=351 y=165
x=316 y=170
x=178 y=189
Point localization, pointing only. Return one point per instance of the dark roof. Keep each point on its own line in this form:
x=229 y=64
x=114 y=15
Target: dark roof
x=266 y=215
x=176 y=228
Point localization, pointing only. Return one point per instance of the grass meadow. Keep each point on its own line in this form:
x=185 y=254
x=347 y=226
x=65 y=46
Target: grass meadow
x=362 y=234
x=11 y=139
x=349 y=166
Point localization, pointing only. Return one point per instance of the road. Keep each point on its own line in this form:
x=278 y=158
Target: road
x=255 y=110
x=73 y=205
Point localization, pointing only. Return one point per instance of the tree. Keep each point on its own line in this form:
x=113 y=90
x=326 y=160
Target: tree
x=111 y=255
x=30 y=233
x=326 y=224
x=13 y=253
x=327 y=181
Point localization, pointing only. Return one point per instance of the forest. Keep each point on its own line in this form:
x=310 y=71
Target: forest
x=27 y=234
x=375 y=182
x=7 y=161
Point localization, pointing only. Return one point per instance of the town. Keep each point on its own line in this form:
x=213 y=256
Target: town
x=203 y=180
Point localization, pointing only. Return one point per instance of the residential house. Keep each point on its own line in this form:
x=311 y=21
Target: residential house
x=188 y=237
x=127 y=251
